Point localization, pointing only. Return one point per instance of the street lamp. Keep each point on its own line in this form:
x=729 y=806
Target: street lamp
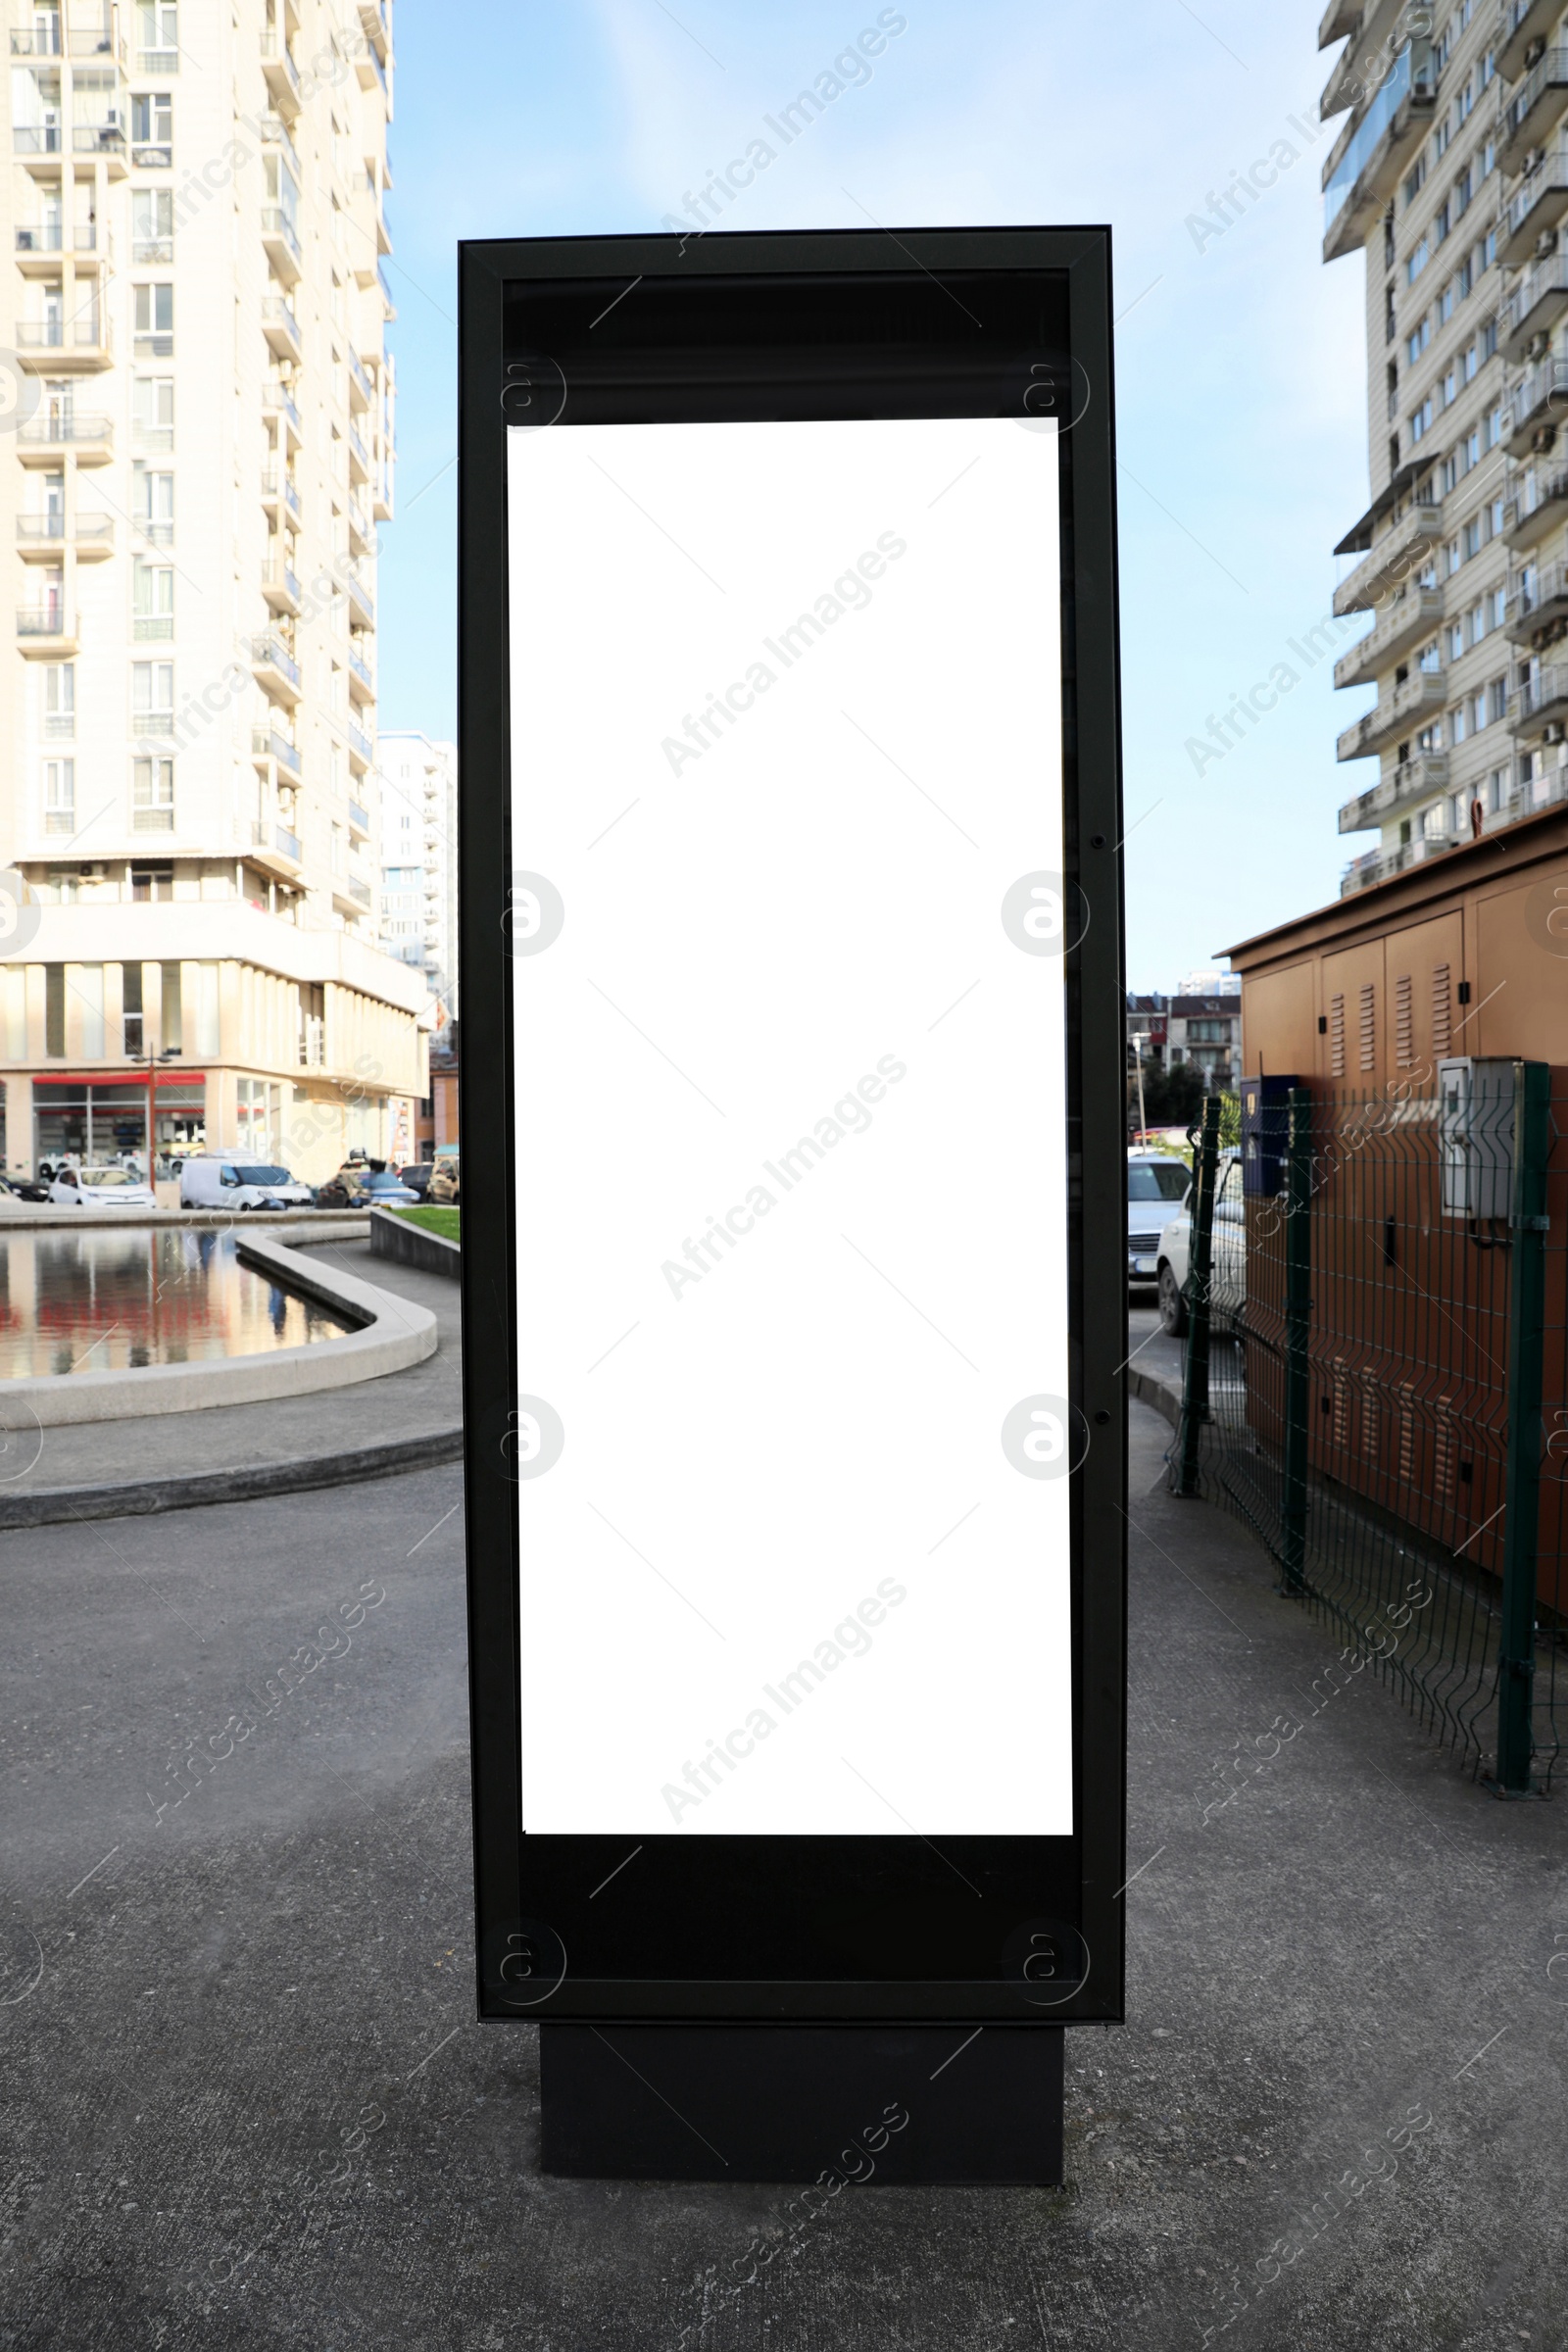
x=1140 y=1037
x=169 y=1054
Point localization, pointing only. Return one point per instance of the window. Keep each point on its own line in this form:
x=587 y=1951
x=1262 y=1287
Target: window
x=1418 y=338
x=1416 y=264
x=281 y=190
x=1440 y=224
x=1415 y=181
x=157 y=36
x=1421 y=419
x=152 y=502
x=152 y=411
x=59 y=796
x=1456 y=634
x=1498 y=698
x=151 y=224
x=1451 y=385
x=1476 y=623
x=152 y=882
x=1430 y=658
x=152 y=599
x=60 y=699
x=152 y=796
x=1456 y=725
x=152 y=695
x=1435 y=822
x=1497 y=605
x=1496 y=789
x=152 y=130
x=155 y=321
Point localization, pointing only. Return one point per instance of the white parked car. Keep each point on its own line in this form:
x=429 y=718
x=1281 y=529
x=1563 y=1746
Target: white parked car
x=101 y=1188
x=1227 y=1255
x=1155 y=1184
x=239 y=1183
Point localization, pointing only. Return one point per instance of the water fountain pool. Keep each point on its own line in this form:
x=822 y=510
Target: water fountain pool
x=104 y=1301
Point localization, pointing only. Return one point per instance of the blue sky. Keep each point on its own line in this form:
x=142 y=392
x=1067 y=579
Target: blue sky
x=1240 y=381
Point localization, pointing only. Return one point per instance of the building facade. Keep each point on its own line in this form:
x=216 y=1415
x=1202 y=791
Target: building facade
x=198 y=457
x=1450 y=174
x=420 y=861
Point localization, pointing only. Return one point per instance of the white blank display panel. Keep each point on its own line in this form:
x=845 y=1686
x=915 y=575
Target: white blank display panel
x=790 y=1129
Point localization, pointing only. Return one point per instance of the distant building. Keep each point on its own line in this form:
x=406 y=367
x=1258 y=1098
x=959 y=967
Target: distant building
x=1208 y=1032
x=420 y=861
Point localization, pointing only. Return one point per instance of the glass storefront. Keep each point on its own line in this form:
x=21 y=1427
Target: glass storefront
x=106 y=1124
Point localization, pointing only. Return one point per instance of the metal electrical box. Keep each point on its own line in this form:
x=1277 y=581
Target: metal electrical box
x=1475 y=1137
x=1265 y=1132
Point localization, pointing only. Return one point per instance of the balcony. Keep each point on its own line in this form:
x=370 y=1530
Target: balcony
x=361 y=536
x=1412 y=780
x=362 y=612
x=155 y=155
x=1537 y=106
x=1369 y=156
x=371 y=71
x=275 y=134
x=43 y=538
x=281 y=245
x=39 y=40
x=267 y=744
x=362 y=754
x=282 y=74
x=277 y=405
x=1534 y=306
x=1380 y=865
x=1523 y=22
x=280 y=586
x=101 y=138
x=359 y=819
x=350 y=896
x=1415 y=613
x=1539 y=700
x=1535 y=598
x=42 y=248
x=374 y=24
x=1403 y=547
x=277 y=674
x=44 y=440
x=30 y=139
x=277 y=851
x=361 y=392
x=1538 y=510
x=281 y=329
x=46 y=631
x=278 y=488
x=362 y=685
x=360 y=467
x=1536 y=405
x=53 y=345
x=1538 y=204
x=1420 y=698
x=101 y=43
x=157 y=65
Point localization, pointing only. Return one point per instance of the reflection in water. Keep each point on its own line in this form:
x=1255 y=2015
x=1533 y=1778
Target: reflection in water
x=102 y=1301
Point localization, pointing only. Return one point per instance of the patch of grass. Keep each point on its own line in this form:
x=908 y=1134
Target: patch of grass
x=444 y=1221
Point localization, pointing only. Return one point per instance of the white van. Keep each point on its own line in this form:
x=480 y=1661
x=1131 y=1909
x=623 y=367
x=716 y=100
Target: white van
x=210 y=1183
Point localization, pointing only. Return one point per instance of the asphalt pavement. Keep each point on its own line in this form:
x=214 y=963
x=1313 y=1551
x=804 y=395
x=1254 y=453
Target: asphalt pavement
x=244 y=2102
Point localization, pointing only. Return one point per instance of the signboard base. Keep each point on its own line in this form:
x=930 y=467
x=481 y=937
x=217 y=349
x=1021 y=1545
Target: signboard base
x=951 y=2105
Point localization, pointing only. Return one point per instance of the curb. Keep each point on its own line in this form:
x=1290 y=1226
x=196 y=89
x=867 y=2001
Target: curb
x=394 y=1237
x=44 y=1506
x=1151 y=1390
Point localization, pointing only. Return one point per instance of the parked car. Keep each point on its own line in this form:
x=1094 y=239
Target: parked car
x=101 y=1188
x=1227 y=1255
x=1156 y=1186
x=362 y=1187
x=239 y=1183
x=446 y=1181
x=416 y=1175
x=24 y=1188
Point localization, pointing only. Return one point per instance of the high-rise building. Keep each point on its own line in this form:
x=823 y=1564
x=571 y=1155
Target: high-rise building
x=1451 y=174
x=420 y=860
x=191 y=479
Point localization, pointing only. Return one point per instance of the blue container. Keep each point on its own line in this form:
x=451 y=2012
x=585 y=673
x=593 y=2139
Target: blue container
x=1266 y=1133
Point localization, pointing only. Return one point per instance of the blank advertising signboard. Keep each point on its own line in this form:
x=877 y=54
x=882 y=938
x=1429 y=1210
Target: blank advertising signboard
x=792 y=1072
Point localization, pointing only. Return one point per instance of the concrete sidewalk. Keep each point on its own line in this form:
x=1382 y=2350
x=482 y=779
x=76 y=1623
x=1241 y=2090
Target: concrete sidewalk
x=246 y=2104
x=170 y=1461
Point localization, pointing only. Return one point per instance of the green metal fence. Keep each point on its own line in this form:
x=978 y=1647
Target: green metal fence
x=1376 y=1382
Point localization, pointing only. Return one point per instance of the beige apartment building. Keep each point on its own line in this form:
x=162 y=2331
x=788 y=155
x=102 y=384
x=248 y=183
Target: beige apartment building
x=196 y=455
x=1451 y=174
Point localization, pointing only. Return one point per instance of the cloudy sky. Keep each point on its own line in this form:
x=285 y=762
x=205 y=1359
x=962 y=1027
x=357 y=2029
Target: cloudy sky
x=1240 y=357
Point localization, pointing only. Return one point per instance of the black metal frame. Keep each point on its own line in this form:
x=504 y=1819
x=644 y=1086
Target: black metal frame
x=761 y=1889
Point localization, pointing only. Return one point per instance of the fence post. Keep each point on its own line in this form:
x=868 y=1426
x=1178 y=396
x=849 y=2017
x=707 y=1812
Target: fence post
x=1297 y=1332
x=1526 y=1297
x=1196 y=1290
